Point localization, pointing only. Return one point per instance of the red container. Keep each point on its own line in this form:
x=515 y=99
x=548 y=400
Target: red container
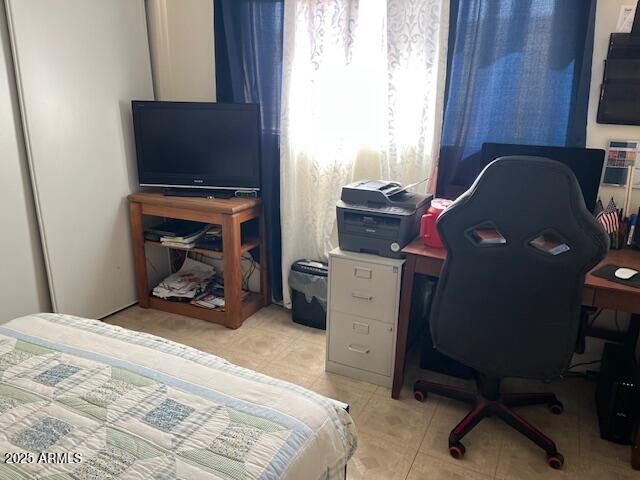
x=428 y=230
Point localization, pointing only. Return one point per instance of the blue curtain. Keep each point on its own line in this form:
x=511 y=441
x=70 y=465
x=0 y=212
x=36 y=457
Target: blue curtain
x=248 y=49
x=518 y=72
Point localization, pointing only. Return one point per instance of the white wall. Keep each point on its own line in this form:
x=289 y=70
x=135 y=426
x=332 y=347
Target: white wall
x=598 y=135
x=182 y=50
x=23 y=283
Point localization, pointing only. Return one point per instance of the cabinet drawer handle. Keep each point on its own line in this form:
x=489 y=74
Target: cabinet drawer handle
x=362 y=273
x=362 y=296
x=358 y=349
x=362 y=328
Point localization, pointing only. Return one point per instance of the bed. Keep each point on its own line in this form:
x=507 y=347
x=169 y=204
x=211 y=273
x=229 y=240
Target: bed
x=83 y=399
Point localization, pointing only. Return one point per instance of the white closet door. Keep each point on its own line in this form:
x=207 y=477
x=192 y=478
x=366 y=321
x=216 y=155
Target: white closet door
x=23 y=285
x=78 y=65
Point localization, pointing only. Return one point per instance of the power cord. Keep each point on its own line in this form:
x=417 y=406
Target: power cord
x=252 y=268
x=595 y=317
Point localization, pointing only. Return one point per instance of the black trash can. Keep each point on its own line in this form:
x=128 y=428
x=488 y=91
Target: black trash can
x=308 y=284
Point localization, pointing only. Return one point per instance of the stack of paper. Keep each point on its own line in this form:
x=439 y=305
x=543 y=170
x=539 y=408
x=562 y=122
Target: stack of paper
x=173 y=227
x=185 y=240
x=190 y=281
x=212 y=297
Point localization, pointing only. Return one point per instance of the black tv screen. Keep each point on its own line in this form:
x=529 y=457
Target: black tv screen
x=586 y=163
x=197 y=144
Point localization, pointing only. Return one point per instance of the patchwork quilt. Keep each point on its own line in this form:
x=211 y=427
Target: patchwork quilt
x=83 y=399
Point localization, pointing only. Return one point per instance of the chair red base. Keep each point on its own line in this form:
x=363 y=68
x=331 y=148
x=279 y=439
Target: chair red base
x=488 y=402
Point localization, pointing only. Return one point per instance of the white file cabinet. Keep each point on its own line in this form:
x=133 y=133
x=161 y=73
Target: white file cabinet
x=364 y=292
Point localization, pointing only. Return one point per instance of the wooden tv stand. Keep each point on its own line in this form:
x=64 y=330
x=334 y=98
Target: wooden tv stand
x=230 y=214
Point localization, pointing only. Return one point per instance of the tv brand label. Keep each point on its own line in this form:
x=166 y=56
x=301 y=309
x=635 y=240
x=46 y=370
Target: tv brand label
x=195 y=180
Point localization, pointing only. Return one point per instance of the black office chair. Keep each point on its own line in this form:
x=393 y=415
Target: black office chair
x=519 y=243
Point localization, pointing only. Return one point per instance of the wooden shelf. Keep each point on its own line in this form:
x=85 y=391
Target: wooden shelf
x=250 y=244
x=209 y=205
x=187 y=309
x=230 y=215
x=250 y=305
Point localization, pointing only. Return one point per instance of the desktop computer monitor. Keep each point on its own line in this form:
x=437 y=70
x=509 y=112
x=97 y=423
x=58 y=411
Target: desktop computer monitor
x=586 y=163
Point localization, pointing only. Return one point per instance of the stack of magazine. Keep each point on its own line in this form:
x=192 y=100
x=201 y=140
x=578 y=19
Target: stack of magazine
x=181 y=234
x=192 y=280
x=212 y=298
x=185 y=242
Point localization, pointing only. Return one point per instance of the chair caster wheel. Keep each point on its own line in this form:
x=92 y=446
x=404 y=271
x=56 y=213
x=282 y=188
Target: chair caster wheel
x=418 y=395
x=457 y=450
x=555 y=461
x=556 y=407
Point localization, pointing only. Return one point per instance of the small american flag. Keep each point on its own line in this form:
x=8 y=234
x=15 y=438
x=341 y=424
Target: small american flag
x=608 y=218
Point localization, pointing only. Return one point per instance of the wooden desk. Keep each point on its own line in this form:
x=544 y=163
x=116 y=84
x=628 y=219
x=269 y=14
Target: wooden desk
x=597 y=292
x=230 y=214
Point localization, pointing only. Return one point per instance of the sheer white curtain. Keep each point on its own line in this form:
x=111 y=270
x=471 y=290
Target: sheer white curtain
x=362 y=97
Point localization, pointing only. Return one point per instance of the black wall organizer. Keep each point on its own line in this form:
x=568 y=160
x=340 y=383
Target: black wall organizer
x=620 y=91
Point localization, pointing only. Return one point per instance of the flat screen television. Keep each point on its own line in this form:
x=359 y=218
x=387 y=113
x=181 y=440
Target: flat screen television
x=197 y=144
x=586 y=163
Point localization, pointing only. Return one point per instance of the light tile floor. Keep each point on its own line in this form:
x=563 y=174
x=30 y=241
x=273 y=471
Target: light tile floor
x=405 y=439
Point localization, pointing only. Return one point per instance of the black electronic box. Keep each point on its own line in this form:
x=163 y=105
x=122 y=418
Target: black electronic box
x=617 y=394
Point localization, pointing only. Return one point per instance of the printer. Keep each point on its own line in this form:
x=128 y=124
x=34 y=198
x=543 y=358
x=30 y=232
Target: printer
x=379 y=217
